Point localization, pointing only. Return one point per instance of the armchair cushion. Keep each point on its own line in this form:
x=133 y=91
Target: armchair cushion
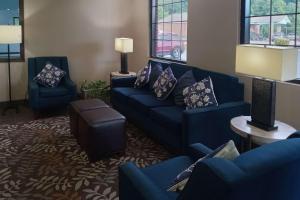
x=50 y=76
x=53 y=92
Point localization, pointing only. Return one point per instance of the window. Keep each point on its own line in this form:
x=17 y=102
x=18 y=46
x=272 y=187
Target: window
x=271 y=22
x=169 y=29
x=12 y=13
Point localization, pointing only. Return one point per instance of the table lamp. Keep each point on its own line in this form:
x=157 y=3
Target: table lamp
x=267 y=65
x=10 y=35
x=124 y=46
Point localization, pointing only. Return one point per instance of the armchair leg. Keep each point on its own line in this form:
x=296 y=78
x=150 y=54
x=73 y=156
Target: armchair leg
x=37 y=114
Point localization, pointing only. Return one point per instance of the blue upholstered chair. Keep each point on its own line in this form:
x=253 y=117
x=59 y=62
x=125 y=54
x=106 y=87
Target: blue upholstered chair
x=40 y=97
x=270 y=172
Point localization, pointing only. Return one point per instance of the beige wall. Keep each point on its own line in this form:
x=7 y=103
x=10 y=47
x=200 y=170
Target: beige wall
x=83 y=30
x=213 y=32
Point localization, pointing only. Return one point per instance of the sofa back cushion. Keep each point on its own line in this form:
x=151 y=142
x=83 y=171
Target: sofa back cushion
x=227 y=88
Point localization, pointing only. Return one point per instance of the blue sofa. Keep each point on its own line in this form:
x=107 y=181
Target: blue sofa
x=173 y=125
x=41 y=98
x=270 y=172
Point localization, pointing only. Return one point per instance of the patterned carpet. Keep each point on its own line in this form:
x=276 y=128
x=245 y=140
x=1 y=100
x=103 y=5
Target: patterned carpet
x=41 y=160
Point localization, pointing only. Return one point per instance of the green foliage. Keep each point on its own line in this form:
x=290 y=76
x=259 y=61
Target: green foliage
x=282 y=42
x=262 y=7
x=95 y=89
x=169 y=9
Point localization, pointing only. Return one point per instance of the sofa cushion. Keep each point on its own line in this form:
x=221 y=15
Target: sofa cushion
x=165 y=84
x=143 y=77
x=163 y=173
x=156 y=70
x=123 y=94
x=200 y=94
x=144 y=103
x=186 y=80
x=53 y=92
x=169 y=117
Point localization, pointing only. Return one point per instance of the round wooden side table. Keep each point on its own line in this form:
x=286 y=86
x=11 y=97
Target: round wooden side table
x=259 y=136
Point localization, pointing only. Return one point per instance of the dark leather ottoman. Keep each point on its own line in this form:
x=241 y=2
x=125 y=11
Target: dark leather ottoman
x=79 y=106
x=102 y=132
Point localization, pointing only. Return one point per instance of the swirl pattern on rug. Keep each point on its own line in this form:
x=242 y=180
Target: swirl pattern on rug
x=42 y=160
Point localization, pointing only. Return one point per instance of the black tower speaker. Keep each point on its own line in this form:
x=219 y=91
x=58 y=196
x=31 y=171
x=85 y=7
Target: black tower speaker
x=263 y=104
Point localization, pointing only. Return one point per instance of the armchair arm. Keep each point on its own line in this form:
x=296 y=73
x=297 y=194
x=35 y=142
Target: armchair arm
x=33 y=94
x=122 y=82
x=70 y=85
x=134 y=184
x=295 y=135
x=198 y=150
x=214 y=179
x=211 y=125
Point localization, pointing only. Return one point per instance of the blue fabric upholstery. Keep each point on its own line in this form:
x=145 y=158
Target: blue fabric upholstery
x=144 y=103
x=173 y=125
x=270 y=172
x=41 y=97
x=170 y=117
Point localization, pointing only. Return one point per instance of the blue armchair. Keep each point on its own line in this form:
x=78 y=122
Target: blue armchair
x=268 y=172
x=40 y=97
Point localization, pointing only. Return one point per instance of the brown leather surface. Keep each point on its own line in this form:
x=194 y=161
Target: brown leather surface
x=88 y=104
x=94 y=117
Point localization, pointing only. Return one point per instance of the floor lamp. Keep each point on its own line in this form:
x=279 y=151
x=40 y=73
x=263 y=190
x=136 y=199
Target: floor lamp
x=10 y=34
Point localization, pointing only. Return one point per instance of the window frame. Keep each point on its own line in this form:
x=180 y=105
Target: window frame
x=151 y=41
x=245 y=34
x=22 y=46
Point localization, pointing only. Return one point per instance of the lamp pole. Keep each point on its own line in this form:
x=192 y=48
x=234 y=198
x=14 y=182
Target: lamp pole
x=10 y=105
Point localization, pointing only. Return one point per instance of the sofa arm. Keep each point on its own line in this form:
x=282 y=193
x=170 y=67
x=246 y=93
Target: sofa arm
x=122 y=82
x=211 y=125
x=198 y=150
x=214 y=178
x=134 y=184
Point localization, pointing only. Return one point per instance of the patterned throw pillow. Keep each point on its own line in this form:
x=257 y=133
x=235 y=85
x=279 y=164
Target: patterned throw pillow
x=187 y=79
x=50 y=76
x=200 y=94
x=165 y=84
x=156 y=70
x=227 y=151
x=143 y=77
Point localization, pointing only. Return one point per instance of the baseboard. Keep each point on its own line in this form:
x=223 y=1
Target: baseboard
x=24 y=101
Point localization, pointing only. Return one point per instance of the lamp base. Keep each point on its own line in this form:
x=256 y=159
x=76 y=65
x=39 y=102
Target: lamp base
x=123 y=72
x=10 y=106
x=124 y=64
x=262 y=126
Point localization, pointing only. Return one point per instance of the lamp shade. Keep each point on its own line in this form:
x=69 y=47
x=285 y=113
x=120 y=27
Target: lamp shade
x=124 y=45
x=10 y=34
x=276 y=63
